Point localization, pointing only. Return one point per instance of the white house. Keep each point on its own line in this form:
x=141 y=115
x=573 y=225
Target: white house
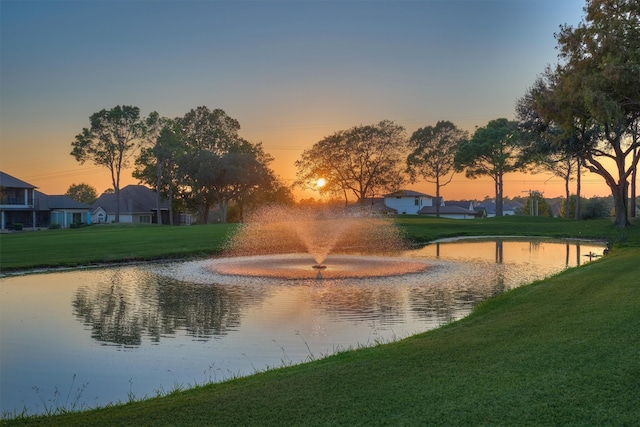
x=408 y=202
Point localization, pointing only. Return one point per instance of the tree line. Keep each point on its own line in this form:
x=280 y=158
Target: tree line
x=196 y=161
x=577 y=113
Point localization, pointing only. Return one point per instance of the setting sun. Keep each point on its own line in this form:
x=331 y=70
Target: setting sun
x=321 y=182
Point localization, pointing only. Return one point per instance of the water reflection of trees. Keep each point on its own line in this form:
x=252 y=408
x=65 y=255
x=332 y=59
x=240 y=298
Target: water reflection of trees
x=445 y=301
x=126 y=307
x=362 y=303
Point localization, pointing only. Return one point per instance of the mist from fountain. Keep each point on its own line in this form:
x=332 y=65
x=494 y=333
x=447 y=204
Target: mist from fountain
x=278 y=241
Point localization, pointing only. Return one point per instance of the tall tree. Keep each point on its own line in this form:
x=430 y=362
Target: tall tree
x=598 y=88
x=362 y=161
x=207 y=135
x=544 y=143
x=156 y=165
x=433 y=154
x=111 y=140
x=83 y=193
x=492 y=151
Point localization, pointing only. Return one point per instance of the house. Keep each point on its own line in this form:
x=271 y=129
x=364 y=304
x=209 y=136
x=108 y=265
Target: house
x=408 y=202
x=488 y=209
x=447 y=211
x=22 y=206
x=465 y=204
x=138 y=204
x=63 y=210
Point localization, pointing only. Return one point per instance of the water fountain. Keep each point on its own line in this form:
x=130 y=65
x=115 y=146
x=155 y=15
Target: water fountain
x=320 y=242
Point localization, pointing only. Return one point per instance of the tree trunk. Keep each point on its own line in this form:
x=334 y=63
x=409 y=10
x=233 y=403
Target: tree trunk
x=437 y=197
x=158 y=184
x=116 y=191
x=224 y=207
x=619 y=192
x=634 y=178
x=204 y=213
x=499 y=208
x=567 y=196
x=578 y=189
x=170 y=205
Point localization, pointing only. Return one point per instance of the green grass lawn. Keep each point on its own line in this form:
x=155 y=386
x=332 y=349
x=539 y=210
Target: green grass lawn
x=108 y=243
x=563 y=351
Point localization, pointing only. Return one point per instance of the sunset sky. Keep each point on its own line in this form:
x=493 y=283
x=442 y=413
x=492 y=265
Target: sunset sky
x=291 y=72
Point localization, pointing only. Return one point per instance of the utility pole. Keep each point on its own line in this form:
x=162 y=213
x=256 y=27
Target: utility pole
x=534 y=196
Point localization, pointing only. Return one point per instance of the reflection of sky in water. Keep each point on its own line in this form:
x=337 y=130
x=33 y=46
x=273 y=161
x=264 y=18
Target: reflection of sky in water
x=143 y=329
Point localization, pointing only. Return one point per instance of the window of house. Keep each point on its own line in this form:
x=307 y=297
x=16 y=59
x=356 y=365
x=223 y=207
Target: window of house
x=416 y=201
x=145 y=219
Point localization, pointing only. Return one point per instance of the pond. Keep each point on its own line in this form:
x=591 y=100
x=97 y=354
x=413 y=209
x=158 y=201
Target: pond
x=85 y=338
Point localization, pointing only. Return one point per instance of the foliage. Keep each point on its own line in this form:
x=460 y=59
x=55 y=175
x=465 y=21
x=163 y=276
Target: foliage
x=595 y=91
x=83 y=193
x=217 y=166
x=210 y=130
x=593 y=208
x=433 y=154
x=110 y=141
x=199 y=161
x=492 y=151
x=157 y=163
x=544 y=144
x=363 y=161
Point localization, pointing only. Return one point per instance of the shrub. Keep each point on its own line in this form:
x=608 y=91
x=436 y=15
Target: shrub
x=17 y=226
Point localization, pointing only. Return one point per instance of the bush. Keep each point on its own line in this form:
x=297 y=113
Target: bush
x=595 y=208
x=54 y=226
x=17 y=226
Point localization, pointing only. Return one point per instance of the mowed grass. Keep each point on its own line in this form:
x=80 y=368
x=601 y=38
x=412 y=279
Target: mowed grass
x=563 y=351
x=108 y=243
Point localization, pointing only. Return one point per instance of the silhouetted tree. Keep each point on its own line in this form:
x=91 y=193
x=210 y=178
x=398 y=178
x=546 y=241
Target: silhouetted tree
x=111 y=140
x=492 y=151
x=596 y=89
x=362 y=161
x=83 y=193
x=433 y=154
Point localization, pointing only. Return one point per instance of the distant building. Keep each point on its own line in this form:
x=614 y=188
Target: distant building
x=138 y=205
x=408 y=202
x=22 y=206
x=488 y=209
x=451 y=212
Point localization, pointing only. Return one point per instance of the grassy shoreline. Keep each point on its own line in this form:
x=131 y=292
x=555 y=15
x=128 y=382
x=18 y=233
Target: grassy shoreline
x=561 y=351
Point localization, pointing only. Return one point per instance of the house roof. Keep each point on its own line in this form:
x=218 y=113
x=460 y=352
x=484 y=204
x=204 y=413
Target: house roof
x=133 y=199
x=446 y=210
x=461 y=203
x=9 y=181
x=490 y=207
x=407 y=193
x=46 y=202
